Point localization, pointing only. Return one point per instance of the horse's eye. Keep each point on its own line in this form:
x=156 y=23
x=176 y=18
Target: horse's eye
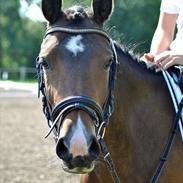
x=45 y=64
x=107 y=65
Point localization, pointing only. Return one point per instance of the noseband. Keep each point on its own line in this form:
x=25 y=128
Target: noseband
x=100 y=115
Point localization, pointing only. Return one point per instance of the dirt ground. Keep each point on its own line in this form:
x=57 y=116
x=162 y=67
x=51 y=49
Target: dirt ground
x=25 y=156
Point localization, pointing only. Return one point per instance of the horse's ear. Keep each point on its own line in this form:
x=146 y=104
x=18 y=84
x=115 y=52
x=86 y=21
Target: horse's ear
x=102 y=9
x=51 y=9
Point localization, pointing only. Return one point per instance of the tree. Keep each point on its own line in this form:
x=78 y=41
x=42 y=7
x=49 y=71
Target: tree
x=6 y=12
x=19 y=38
x=135 y=22
x=72 y=2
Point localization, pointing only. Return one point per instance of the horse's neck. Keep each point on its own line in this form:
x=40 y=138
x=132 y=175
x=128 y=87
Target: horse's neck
x=142 y=117
x=142 y=95
x=136 y=79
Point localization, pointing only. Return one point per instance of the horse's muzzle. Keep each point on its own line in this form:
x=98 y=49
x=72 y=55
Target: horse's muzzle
x=79 y=164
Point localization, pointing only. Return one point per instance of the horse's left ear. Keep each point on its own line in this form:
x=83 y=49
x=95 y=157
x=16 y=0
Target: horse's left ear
x=102 y=9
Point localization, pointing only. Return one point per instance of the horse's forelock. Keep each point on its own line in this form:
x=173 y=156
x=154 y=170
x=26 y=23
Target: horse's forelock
x=77 y=12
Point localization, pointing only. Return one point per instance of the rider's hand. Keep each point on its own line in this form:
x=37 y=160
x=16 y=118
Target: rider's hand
x=148 y=57
x=167 y=59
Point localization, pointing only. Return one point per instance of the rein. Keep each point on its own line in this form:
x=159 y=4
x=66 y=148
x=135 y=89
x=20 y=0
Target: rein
x=169 y=144
x=100 y=115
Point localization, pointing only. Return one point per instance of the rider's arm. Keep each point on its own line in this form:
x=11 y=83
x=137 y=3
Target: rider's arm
x=164 y=33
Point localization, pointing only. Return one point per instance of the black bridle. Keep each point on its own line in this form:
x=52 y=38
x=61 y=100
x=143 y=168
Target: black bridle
x=100 y=115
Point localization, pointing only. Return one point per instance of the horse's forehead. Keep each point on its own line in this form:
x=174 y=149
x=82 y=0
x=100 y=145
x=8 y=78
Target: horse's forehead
x=75 y=45
x=80 y=44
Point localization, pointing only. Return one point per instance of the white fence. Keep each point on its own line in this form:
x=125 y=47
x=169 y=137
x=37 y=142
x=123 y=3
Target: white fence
x=22 y=74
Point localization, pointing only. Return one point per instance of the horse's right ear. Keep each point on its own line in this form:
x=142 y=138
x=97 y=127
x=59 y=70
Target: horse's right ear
x=51 y=9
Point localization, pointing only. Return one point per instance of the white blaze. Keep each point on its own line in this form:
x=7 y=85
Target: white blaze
x=75 y=45
x=78 y=143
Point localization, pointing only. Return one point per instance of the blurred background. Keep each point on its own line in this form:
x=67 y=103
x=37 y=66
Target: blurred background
x=22 y=27
x=25 y=157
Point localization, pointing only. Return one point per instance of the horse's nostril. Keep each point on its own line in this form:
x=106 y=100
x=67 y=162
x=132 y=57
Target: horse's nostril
x=62 y=150
x=94 y=149
x=77 y=15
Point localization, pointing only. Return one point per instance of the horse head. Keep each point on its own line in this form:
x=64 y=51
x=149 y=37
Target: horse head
x=74 y=62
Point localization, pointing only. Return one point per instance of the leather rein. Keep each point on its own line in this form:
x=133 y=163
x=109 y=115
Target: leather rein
x=100 y=115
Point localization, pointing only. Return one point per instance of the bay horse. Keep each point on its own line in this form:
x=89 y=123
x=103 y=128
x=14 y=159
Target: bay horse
x=77 y=66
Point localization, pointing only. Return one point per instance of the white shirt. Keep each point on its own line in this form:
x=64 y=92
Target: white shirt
x=175 y=7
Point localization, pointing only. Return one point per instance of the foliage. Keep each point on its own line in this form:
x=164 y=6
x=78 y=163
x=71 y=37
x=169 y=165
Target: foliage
x=72 y=2
x=135 y=22
x=20 y=38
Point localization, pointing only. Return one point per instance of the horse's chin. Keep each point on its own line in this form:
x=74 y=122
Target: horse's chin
x=78 y=170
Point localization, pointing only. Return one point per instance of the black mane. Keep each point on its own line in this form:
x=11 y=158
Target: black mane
x=134 y=58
